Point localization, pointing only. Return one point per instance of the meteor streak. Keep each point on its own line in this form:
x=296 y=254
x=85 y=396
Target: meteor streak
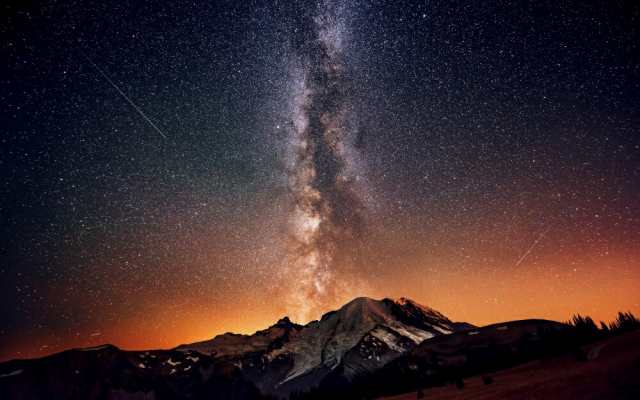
x=535 y=243
x=116 y=87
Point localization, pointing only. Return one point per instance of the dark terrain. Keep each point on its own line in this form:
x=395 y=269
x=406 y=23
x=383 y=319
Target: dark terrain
x=366 y=349
x=610 y=371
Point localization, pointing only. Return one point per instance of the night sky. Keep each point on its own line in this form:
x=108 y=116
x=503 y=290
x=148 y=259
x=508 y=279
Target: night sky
x=171 y=172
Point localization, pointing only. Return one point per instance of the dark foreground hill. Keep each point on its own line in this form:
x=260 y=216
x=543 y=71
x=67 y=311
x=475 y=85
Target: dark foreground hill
x=106 y=372
x=610 y=369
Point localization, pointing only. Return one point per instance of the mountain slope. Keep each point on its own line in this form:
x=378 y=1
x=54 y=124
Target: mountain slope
x=360 y=337
x=448 y=358
x=234 y=345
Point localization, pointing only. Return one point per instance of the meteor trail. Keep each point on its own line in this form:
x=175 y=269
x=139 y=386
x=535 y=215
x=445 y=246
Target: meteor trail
x=125 y=96
x=535 y=243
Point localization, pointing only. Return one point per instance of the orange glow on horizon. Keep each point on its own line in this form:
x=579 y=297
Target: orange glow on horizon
x=551 y=292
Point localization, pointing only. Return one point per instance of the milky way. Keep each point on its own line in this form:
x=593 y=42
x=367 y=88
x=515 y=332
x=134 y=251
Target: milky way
x=323 y=177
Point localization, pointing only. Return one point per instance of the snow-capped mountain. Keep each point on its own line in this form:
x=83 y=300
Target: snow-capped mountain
x=359 y=338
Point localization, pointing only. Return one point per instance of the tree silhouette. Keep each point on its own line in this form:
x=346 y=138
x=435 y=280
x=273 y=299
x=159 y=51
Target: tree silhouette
x=604 y=327
x=626 y=322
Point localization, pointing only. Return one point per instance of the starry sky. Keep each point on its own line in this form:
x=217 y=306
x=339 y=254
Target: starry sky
x=171 y=172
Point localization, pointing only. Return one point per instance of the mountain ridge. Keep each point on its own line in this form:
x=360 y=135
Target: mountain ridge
x=354 y=340
x=365 y=349
x=308 y=353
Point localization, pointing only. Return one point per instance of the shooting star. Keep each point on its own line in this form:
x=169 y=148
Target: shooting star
x=116 y=87
x=535 y=243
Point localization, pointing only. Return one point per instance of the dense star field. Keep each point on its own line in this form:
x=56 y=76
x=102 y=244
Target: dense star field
x=171 y=172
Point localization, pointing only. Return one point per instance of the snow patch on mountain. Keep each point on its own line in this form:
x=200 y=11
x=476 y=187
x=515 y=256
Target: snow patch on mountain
x=325 y=342
x=12 y=373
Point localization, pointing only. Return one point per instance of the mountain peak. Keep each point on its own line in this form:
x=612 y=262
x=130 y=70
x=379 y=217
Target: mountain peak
x=285 y=322
x=363 y=300
x=403 y=301
x=383 y=329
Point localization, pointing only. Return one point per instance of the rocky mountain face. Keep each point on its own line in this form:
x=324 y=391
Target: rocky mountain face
x=359 y=338
x=344 y=345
